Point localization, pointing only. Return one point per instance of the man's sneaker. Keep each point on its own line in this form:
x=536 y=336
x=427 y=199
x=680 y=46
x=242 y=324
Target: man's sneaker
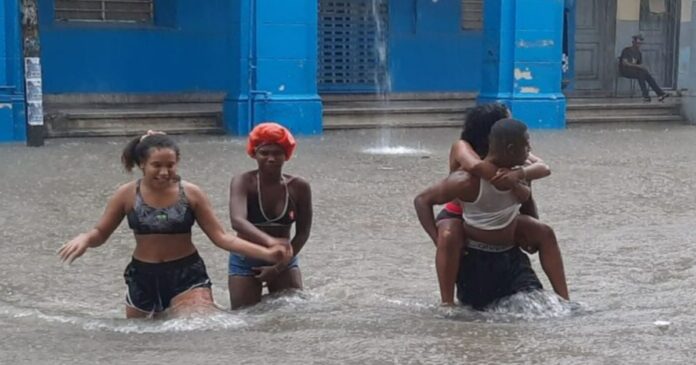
x=663 y=97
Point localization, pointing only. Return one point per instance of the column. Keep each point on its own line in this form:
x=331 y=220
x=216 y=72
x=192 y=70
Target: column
x=277 y=67
x=523 y=42
x=12 y=101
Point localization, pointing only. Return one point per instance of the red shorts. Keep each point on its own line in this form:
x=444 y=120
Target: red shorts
x=451 y=210
x=454 y=208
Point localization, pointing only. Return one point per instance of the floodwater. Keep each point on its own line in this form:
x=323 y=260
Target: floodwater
x=621 y=199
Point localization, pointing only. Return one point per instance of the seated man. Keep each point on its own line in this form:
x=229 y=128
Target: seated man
x=631 y=67
x=494 y=267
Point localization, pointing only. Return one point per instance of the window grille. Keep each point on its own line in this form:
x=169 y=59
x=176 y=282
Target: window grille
x=128 y=11
x=472 y=14
x=350 y=40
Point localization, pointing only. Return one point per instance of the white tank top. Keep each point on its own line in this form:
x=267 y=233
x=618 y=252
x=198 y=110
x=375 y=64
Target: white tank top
x=492 y=209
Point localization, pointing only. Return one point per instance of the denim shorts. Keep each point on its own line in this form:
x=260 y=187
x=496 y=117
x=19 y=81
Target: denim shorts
x=241 y=266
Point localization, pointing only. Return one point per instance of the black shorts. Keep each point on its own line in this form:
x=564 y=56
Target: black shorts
x=446 y=214
x=485 y=277
x=151 y=287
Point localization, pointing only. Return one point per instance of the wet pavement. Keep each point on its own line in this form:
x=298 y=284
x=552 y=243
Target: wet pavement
x=621 y=199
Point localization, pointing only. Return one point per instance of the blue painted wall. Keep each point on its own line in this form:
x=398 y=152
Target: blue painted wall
x=12 y=101
x=428 y=50
x=188 y=48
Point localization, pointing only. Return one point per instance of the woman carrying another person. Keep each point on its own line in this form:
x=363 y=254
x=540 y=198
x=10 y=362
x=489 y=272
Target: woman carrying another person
x=264 y=204
x=498 y=222
x=166 y=271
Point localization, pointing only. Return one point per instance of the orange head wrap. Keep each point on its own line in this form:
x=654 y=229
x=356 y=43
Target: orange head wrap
x=271 y=133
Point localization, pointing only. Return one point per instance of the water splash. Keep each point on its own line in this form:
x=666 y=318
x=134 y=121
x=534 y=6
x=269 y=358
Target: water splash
x=533 y=305
x=526 y=306
x=396 y=150
x=203 y=320
x=220 y=320
x=286 y=301
x=208 y=322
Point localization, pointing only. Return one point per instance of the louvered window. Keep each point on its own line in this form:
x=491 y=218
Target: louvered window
x=128 y=11
x=472 y=14
x=353 y=35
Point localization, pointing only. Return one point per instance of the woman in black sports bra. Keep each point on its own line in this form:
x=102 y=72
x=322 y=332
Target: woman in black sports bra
x=264 y=203
x=166 y=271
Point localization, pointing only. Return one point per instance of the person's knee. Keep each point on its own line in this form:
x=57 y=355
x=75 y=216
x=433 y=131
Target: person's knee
x=449 y=238
x=548 y=234
x=643 y=75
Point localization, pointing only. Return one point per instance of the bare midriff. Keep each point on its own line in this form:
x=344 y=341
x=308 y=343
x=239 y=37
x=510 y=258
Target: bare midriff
x=497 y=237
x=158 y=248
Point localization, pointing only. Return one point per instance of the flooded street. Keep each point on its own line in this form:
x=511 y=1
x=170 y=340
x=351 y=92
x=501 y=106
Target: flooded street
x=621 y=198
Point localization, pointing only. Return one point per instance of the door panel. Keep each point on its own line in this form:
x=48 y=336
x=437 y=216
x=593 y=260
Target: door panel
x=594 y=33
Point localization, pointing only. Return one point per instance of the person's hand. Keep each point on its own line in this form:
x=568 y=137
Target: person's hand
x=280 y=253
x=527 y=247
x=530 y=249
x=266 y=273
x=73 y=249
x=505 y=179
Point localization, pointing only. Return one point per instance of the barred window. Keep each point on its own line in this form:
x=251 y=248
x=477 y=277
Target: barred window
x=128 y=11
x=472 y=14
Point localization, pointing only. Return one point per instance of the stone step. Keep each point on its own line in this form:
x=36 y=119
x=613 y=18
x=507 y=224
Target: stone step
x=130 y=111
x=122 y=99
x=364 y=106
x=133 y=121
x=350 y=112
x=626 y=113
x=80 y=115
x=440 y=121
x=334 y=110
x=625 y=119
x=463 y=96
x=385 y=121
x=115 y=115
x=130 y=131
x=390 y=109
x=573 y=105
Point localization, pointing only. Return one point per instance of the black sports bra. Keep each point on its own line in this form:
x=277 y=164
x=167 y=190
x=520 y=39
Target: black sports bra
x=258 y=217
x=174 y=219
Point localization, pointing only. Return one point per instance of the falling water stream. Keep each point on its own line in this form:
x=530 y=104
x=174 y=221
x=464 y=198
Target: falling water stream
x=383 y=85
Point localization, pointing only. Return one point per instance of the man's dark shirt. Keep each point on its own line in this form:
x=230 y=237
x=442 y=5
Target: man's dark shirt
x=631 y=55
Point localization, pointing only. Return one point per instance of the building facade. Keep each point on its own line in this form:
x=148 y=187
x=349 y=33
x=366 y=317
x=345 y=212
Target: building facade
x=272 y=59
x=603 y=28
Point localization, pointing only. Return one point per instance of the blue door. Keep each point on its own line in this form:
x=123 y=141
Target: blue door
x=352 y=46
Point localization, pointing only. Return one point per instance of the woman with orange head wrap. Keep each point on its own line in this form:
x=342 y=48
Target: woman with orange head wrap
x=264 y=203
x=271 y=133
